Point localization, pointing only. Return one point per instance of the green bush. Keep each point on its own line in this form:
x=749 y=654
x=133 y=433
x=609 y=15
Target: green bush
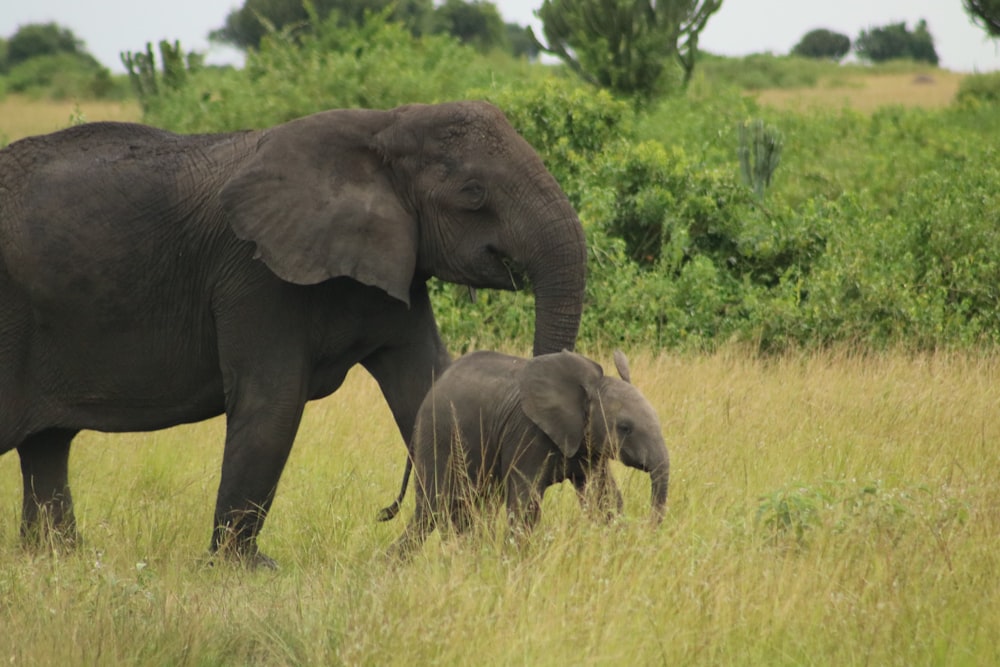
x=979 y=88
x=62 y=76
x=882 y=229
x=379 y=65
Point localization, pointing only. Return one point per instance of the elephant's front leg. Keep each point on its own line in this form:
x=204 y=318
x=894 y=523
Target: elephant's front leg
x=598 y=493
x=260 y=432
x=265 y=378
x=406 y=366
x=524 y=505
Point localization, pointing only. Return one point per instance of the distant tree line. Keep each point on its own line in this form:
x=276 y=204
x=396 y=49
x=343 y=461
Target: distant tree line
x=474 y=22
x=46 y=56
x=879 y=44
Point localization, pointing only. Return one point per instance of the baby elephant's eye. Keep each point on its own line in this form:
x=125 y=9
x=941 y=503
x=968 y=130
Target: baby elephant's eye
x=624 y=429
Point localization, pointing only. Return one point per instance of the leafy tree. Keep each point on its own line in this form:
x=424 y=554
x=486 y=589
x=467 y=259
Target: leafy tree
x=896 y=41
x=985 y=14
x=477 y=23
x=40 y=39
x=246 y=26
x=521 y=41
x=823 y=43
x=626 y=45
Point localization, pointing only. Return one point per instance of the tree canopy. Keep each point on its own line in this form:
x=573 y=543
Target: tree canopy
x=474 y=22
x=625 y=45
x=985 y=14
x=822 y=43
x=41 y=39
x=246 y=26
x=897 y=41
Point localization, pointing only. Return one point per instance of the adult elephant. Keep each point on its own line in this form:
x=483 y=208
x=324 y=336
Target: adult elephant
x=149 y=279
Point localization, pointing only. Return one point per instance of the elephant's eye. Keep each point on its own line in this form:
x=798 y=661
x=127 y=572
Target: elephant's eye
x=473 y=195
x=624 y=429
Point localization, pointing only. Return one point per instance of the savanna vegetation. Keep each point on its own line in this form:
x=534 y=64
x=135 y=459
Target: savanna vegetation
x=806 y=277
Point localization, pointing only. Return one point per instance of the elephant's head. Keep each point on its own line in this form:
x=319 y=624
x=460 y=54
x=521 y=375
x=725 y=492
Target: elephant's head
x=577 y=406
x=386 y=197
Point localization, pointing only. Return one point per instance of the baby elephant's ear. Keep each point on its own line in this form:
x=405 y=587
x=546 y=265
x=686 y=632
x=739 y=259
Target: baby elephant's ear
x=621 y=363
x=555 y=395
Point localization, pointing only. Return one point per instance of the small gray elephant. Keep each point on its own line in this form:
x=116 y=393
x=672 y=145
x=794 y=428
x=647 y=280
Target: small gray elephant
x=495 y=424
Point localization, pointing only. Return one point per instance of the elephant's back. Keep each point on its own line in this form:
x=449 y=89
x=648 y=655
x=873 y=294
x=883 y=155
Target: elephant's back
x=481 y=374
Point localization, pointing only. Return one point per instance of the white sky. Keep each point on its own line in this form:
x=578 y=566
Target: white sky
x=740 y=27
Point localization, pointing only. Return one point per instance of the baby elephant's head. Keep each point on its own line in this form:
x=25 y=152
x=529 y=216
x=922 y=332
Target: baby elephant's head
x=586 y=412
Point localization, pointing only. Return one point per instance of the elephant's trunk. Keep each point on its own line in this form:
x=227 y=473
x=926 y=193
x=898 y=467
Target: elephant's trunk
x=656 y=461
x=557 y=270
x=660 y=480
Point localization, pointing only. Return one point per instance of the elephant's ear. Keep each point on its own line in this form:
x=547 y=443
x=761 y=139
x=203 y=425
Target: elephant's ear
x=555 y=394
x=317 y=200
x=621 y=363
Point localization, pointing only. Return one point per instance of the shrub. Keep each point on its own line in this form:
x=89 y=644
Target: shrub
x=61 y=76
x=379 y=65
x=979 y=89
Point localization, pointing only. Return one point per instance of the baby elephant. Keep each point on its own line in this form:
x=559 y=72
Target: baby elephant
x=494 y=424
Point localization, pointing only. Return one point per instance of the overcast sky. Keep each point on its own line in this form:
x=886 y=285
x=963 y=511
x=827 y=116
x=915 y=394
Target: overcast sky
x=739 y=28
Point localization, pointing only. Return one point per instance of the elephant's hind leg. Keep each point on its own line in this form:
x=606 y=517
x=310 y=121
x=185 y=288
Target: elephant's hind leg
x=47 y=510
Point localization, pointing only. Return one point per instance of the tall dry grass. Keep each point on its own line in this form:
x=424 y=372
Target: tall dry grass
x=933 y=89
x=21 y=116
x=825 y=509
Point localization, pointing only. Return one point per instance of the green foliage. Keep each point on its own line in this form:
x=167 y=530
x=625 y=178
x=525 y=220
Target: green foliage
x=985 y=14
x=979 y=89
x=522 y=43
x=765 y=70
x=143 y=76
x=880 y=232
x=625 y=46
x=836 y=507
x=895 y=41
x=759 y=153
x=378 y=65
x=40 y=39
x=476 y=23
x=48 y=60
x=61 y=76
x=822 y=43
x=247 y=26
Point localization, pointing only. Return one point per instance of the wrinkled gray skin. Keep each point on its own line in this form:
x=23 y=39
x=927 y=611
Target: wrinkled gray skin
x=149 y=279
x=497 y=425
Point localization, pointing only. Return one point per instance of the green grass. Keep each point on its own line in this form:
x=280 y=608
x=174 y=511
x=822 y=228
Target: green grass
x=825 y=509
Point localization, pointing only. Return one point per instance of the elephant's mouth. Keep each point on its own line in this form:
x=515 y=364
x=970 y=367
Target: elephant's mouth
x=505 y=272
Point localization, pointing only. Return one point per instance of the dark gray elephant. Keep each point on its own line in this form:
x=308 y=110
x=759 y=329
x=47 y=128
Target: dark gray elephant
x=497 y=425
x=149 y=279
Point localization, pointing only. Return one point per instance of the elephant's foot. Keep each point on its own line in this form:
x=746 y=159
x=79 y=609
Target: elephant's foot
x=250 y=558
x=51 y=538
x=240 y=548
x=49 y=527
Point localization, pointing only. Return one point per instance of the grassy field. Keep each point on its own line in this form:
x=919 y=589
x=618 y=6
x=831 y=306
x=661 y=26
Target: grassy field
x=866 y=93
x=21 y=116
x=825 y=509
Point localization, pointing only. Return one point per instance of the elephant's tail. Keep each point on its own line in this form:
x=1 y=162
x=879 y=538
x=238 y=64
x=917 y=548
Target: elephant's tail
x=390 y=512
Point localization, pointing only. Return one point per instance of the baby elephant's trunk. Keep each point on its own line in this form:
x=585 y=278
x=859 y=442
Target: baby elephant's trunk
x=655 y=461
x=660 y=478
